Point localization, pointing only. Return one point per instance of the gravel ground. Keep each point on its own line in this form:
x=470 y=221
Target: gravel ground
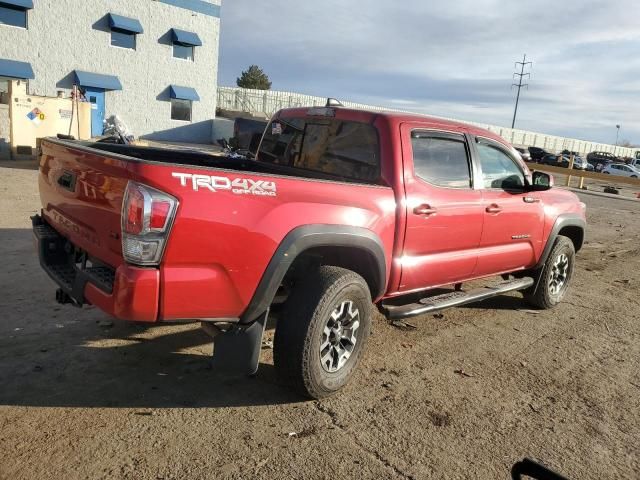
x=598 y=186
x=82 y=396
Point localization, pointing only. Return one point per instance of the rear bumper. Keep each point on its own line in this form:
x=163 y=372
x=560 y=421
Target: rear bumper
x=127 y=293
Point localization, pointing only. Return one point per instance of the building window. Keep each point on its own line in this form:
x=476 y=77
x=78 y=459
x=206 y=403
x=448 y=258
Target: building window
x=184 y=44
x=181 y=109
x=124 y=31
x=123 y=39
x=16 y=17
x=184 y=52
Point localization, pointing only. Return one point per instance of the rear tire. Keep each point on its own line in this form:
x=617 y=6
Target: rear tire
x=552 y=281
x=322 y=331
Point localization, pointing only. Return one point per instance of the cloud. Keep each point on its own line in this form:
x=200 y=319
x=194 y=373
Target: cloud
x=452 y=58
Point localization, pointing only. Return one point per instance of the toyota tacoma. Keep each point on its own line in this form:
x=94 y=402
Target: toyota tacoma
x=338 y=212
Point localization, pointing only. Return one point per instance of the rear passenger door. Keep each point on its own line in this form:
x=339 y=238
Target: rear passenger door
x=513 y=217
x=444 y=211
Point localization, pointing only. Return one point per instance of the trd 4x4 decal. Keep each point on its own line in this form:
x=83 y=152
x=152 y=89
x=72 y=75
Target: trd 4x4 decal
x=239 y=186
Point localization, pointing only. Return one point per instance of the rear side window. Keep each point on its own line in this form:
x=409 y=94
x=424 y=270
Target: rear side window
x=337 y=148
x=441 y=160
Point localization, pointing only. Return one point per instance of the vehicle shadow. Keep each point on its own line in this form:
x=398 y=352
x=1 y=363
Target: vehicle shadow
x=60 y=356
x=511 y=301
x=127 y=370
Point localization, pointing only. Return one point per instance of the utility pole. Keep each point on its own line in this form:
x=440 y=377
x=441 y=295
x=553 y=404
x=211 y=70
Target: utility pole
x=617 y=134
x=520 y=76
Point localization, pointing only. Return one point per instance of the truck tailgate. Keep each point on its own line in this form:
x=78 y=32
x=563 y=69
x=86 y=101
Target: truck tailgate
x=81 y=195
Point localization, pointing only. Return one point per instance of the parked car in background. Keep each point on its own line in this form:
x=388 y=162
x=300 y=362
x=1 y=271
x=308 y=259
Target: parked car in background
x=526 y=156
x=600 y=159
x=538 y=153
x=550 y=159
x=600 y=166
x=569 y=152
x=604 y=156
x=579 y=163
x=621 y=169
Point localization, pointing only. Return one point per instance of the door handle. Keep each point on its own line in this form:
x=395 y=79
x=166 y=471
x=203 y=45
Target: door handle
x=424 y=209
x=493 y=208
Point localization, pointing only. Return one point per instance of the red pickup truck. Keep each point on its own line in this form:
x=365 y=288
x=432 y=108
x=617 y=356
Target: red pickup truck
x=340 y=210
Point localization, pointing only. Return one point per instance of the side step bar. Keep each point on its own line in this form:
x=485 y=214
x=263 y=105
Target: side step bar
x=454 y=299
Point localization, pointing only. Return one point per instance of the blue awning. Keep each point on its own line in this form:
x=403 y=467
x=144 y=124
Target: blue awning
x=185 y=38
x=183 y=93
x=22 y=4
x=96 y=80
x=13 y=69
x=118 y=22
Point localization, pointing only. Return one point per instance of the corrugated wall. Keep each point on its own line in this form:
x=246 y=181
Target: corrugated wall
x=270 y=101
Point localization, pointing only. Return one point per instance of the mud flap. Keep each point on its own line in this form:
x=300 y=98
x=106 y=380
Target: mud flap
x=237 y=350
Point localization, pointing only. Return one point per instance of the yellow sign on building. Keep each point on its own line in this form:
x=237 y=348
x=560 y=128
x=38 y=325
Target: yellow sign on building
x=32 y=117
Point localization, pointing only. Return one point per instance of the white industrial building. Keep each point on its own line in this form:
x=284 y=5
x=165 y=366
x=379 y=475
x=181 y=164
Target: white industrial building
x=154 y=63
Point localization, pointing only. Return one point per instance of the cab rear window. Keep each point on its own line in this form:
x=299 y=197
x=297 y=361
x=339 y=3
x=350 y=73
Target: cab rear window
x=333 y=148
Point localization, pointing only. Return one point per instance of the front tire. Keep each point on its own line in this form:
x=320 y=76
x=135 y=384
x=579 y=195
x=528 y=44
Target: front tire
x=552 y=282
x=322 y=331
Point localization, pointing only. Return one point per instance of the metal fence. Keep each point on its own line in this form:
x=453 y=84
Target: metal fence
x=270 y=101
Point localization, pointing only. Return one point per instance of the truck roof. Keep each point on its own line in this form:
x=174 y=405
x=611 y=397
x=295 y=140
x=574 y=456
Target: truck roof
x=427 y=121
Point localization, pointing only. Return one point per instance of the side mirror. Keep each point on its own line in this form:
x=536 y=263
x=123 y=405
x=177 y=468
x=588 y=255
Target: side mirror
x=541 y=181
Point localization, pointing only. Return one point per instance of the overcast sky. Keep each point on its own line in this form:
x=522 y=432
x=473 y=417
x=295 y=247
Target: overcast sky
x=453 y=58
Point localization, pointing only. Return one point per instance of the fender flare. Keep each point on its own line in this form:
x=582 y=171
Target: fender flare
x=564 y=220
x=303 y=238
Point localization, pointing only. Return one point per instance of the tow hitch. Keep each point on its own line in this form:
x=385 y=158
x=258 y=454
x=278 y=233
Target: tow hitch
x=64 y=298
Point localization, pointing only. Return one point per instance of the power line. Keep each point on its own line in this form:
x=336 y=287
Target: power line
x=520 y=76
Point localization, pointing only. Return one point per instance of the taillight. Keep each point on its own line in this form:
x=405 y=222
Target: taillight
x=159 y=214
x=147 y=216
x=134 y=211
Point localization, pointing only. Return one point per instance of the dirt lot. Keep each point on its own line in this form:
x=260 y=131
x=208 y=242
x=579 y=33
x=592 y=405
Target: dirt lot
x=597 y=185
x=82 y=397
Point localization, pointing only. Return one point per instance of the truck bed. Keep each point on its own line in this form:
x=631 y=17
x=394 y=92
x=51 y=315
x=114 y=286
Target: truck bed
x=199 y=159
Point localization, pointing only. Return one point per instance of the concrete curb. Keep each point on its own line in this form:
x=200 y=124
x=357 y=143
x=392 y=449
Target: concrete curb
x=602 y=194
